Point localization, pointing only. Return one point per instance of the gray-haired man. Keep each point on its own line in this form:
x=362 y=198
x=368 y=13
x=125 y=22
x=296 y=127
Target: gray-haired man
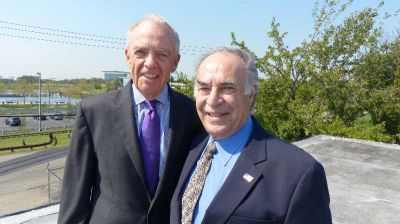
x=129 y=145
x=237 y=172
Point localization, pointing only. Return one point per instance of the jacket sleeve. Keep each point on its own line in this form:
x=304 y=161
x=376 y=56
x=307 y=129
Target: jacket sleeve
x=310 y=200
x=75 y=206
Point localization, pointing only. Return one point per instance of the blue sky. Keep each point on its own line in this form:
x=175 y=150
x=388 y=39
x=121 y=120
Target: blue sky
x=200 y=24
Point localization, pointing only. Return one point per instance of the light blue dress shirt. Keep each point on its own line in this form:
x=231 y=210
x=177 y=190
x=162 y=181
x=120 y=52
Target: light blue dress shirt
x=163 y=106
x=228 y=151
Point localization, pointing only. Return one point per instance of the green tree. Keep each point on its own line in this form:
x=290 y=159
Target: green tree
x=24 y=88
x=79 y=89
x=97 y=84
x=2 y=87
x=379 y=72
x=28 y=79
x=49 y=88
x=113 y=84
x=311 y=89
x=183 y=84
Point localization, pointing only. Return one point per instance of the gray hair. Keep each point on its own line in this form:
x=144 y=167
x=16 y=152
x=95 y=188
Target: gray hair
x=157 y=19
x=250 y=65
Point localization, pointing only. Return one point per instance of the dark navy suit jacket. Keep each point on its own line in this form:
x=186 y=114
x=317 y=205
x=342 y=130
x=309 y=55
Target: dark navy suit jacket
x=287 y=186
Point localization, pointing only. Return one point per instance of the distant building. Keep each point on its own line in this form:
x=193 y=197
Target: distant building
x=7 y=79
x=111 y=75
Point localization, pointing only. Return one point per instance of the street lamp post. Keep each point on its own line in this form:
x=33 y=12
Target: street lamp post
x=40 y=100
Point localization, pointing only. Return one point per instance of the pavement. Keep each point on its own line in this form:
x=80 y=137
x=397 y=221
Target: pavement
x=363 y=180
x=32 y=159
x=32 y=124
x=8 y=157
x=28 y=188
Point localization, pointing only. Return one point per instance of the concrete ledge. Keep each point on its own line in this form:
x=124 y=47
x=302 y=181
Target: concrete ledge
x=318 y=138
x=42 y=215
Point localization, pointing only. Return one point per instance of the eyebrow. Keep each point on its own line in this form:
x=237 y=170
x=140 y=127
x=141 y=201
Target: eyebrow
x=135 y=48
x=146 y=47
x=163 y=50
x=201 y=83
x=220 y=84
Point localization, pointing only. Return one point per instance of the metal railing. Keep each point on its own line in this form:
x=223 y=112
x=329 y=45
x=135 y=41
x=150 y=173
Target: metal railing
x=35 y=134
x=52 y=139
x=51 y=172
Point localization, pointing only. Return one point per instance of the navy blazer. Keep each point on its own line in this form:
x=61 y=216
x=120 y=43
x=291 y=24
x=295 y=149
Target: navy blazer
x=287 y=186
x=104 y=180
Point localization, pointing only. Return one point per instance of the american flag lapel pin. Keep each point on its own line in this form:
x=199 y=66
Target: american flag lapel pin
x=248 y=177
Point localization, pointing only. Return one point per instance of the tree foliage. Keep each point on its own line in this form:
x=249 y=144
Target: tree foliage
x=29 y=79
x=182 y=83
x=2 y=86
x=340 y=74
x=24 y=88
x=113 y=84
x=80 y=90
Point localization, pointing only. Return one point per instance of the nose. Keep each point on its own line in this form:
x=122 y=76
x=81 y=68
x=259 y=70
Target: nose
x=150 y=60
x=214 y=98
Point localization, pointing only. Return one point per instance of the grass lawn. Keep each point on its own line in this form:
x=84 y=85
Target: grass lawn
x=63 y=140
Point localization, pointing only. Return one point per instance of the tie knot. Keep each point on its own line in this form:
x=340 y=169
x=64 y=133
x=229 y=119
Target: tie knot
x=152 y=104
x=211 y=148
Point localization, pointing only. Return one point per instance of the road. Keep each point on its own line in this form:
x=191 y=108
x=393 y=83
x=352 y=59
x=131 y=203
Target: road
x=31 y=160
x=24 y=181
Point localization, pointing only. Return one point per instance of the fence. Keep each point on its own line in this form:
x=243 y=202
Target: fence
x=31 y=187
x=52 y=172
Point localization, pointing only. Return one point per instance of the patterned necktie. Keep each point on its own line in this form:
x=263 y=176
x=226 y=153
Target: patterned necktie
x=196 y=183
x=150 y=145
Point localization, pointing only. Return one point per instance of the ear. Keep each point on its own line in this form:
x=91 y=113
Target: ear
x=128 y=57
x=252 y=98
x=176 y=62
x=127 y=54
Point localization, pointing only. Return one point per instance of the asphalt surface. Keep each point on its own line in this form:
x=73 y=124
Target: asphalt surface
x=29 y=188
x=24 y=162
x=31 y=124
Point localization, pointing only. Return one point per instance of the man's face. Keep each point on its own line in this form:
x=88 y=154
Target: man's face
x=221 y=102
x=151 y=55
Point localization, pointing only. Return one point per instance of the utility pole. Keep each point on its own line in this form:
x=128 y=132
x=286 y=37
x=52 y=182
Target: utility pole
x=40 y=100
x=48 y=84
x=92 y=86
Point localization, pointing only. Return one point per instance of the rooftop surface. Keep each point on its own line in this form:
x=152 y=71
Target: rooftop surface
x=363 y=179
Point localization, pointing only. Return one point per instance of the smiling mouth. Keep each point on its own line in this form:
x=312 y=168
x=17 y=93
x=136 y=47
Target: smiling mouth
x=216 y=115
x=151 y=76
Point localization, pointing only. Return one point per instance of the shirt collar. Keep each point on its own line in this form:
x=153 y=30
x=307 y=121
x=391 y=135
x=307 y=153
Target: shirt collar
x=139 y=98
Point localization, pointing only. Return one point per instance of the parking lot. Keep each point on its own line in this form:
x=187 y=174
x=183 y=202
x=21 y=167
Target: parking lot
x=28 y=123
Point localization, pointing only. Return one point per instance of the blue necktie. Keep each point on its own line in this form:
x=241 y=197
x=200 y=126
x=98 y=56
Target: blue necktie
x=150 y=145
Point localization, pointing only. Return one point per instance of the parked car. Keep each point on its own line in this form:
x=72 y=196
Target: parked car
x=57 y=116
x=41 y=117
x=13 y=121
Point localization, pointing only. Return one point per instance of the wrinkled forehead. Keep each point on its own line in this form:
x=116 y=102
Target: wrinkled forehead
x=222 y=68
x=152 y=32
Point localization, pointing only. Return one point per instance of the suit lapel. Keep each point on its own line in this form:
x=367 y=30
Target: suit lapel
x=190 y=164
x=243 y=177
x=125 y=121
